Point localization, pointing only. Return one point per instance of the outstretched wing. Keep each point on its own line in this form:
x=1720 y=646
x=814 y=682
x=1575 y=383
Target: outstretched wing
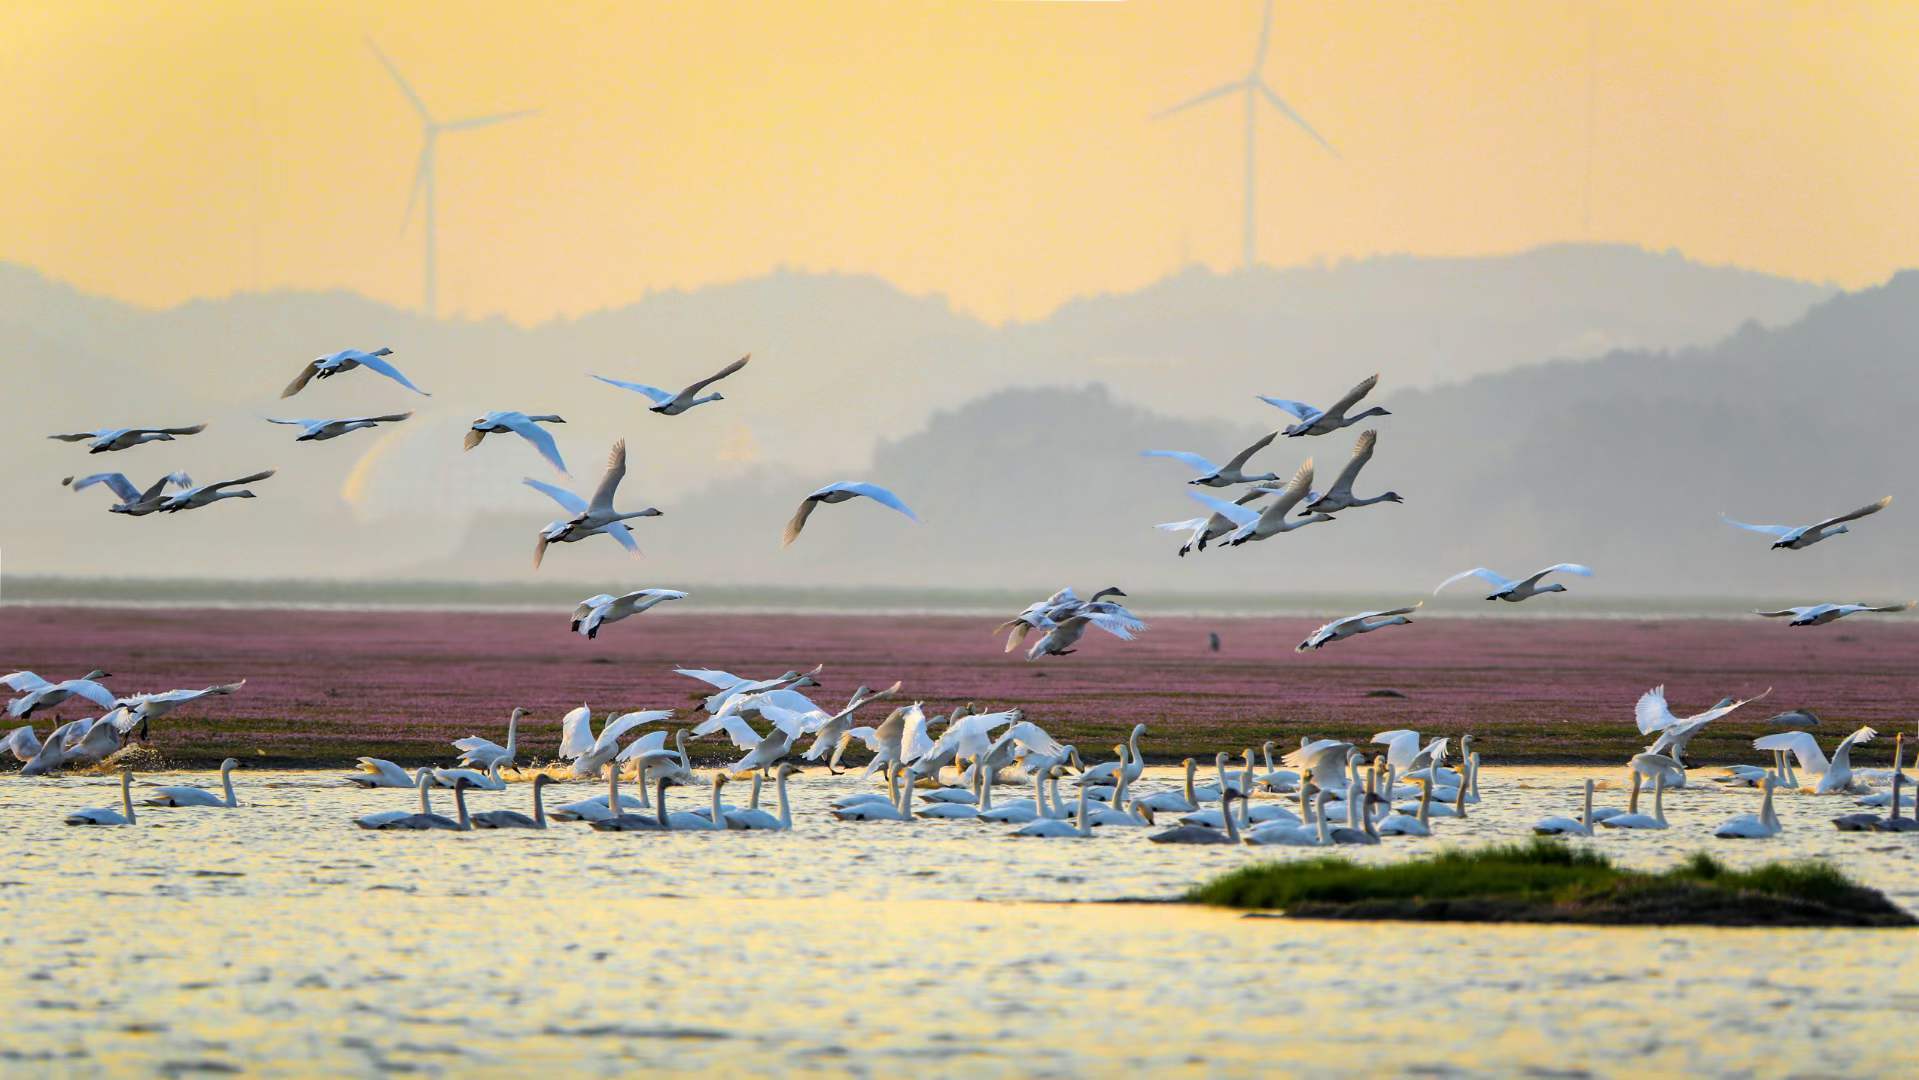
x=117 y=481
x=623 y=724
x=1478 y=571
x=1198 y=463
x=301 y=380
x=1856 y=514
x=78 y=436
x=541 y=439
x=380 y=365
x=1235 y=512
x=623 y=536
x=1777 y=532
x=609 y=483
x=558 y=494
x=576 y=733
x=1299 y=409
x=1782 y=613
x=1362 y=453
x=1352 y=396
x=874 y=492
x=1800 y=744
x=1562 y=568
x=1652 y=713
x=729 y=369
x=1240 y=459
x=659 y=396
x=798 y=520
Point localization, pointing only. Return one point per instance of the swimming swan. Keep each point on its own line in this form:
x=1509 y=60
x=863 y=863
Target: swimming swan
x=197 y=796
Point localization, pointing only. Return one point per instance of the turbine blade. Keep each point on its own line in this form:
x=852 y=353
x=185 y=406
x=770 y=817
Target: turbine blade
x=485 y=121
x=1265 y=36
x=1295 y=118
x=400 y=80
x=419 y=180
x=1217 y=91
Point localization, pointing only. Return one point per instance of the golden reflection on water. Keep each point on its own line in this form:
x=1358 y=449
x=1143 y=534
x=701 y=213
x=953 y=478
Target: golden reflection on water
x=277 y=938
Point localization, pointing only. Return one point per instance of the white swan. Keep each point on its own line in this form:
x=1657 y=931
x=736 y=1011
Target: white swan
x=1326 y=421
x=1565 y=826
x=107 y=440
x=1353 y=625
x=1226 y=518
x=1758 y=826
x=1273 y=519
x=401 y=819
x=1200 y=834
x=106 y=816
x=513 y=819
x=1799 y=537
x=1340 y=496
x=731 y=685
x=838 y=493
x=1835 y=776
x=479 y=753
x=320 y=430
x=899 y=811
x=381 y=773
x=133 y=501
x=207 y=494
x=590 y=517
x=1053 y=828
x=1632 y=818
x=1314 y=833
x=1513 y=590
x=589 y=753
x=145 y=708
x=618 y=820
x=187 y=795
x=485 y=781
x=38 y=693
x=759 y=820
x=325 y=367
x=1219 y=476
x=667 y=403
x=1821 y=614
x=526 y=426
x=596 y=611
x=1652 y=714
x=1182 y=802
x=1130 y=762
x=1420 y=824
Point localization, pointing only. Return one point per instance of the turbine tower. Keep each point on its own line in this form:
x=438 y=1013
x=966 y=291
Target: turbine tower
x=1253 y=86
x=422 y=190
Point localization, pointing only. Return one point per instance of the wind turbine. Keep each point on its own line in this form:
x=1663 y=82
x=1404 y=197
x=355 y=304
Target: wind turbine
x=422 y=190
x=1253 y=86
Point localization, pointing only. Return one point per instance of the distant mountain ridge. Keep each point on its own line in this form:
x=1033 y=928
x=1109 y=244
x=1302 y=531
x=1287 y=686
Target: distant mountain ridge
x=850 y=378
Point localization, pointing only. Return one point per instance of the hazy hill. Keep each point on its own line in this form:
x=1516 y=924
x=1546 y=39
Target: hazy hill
x=851 y=377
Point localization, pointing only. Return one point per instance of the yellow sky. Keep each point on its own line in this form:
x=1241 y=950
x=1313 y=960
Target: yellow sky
x=1000 y=153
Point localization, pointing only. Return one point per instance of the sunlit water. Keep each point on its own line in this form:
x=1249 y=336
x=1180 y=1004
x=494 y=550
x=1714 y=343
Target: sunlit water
x=278 y=937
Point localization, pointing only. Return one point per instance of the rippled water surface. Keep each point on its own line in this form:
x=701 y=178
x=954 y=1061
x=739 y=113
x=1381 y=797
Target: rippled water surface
x=277 y=937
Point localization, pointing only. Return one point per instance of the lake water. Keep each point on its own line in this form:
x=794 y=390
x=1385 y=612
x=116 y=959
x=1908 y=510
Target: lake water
x=279 y=938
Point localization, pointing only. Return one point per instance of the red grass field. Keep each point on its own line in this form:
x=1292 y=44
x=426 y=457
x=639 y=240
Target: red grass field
x=325 y=686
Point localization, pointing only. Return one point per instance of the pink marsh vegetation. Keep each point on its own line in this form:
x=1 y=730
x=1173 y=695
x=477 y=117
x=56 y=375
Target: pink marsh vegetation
x=324 y=686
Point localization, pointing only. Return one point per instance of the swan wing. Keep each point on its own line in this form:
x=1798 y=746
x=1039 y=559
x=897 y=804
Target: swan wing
x=1235 y=512
x=645 y=744
x=610 y=735
x=299 y=383
x=610 y=482
x=1352 y=397
x=1800 y=744
x=1481 y=572
x=1240 y=459
x=1652 y=713
x=542 y=439
x=1362 y=453
x=659 y=396
x=375 y=363
x=118 y=482
x=693 y=389
x=623 y=536
x=1783 y=613
x=1863 y=511
x=872 y=491
x=25 y=681
x=721 y=680
x=1561 y=568
x=576 y=733
x=558 y=494
x=1299 y=409
x=1195 y=461
x=1778 y=532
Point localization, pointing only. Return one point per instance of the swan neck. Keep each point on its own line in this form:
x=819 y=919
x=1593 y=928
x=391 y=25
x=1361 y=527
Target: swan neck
x=226 y=780
x=126 y=795
x=459 y=801
x=659 y=804
x=786 y=810
x=539 y=805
